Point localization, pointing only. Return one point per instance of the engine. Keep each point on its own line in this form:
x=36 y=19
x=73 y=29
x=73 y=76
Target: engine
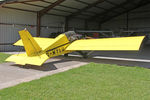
x=72 y=36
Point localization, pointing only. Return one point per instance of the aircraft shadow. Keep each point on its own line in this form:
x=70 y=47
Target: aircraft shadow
x=116 y=62
x=52 y=65
x=49 y=66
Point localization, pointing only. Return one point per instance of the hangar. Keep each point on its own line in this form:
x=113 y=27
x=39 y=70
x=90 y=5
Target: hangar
x=45 y=17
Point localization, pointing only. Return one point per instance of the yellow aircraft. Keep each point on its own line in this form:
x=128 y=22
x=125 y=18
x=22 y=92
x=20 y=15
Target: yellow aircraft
x=38 y=50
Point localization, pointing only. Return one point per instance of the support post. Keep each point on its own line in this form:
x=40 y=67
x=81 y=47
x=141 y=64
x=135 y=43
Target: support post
x=38 y=28
x=43 y=12
x=86 y=25
x=66 y=24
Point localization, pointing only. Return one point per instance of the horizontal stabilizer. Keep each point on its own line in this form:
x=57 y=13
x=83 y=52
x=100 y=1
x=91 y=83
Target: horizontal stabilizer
x=43 y=42
x=23 y=59
x=108 y=44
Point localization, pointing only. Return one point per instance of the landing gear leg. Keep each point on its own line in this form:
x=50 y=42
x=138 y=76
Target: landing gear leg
x=66 y=55
x=84 y=54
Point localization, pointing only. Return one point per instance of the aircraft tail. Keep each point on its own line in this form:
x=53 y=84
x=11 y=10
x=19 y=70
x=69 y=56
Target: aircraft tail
x=31 y=46
x=33 y=55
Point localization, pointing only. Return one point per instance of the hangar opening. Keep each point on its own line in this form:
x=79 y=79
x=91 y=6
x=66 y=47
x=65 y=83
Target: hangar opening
x=93 y=18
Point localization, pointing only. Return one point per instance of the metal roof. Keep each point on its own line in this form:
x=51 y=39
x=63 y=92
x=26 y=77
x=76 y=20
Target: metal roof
x=91 y=10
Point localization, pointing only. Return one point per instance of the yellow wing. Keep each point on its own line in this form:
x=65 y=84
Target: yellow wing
x=43 y=42
x=108 y=44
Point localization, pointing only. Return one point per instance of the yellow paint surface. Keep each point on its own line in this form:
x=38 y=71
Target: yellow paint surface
x=58 y=41
x=30 y=45
x=23 y=59
x=108 y=44
x=38 y=50
x=42 y=42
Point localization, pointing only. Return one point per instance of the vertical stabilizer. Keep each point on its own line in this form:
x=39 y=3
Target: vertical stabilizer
x=30 y=45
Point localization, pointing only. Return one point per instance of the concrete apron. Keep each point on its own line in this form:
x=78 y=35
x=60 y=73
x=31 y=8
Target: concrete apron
x=11 y=74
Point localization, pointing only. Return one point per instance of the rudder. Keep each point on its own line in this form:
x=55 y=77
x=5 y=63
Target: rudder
x=31 y=46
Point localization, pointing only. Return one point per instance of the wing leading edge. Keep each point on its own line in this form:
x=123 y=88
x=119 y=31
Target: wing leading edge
x=108 y=44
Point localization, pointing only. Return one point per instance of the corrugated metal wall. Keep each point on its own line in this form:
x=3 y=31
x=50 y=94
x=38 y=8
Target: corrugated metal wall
x=74 y=23
x=138 y=20
x=53 y=23
x=8 y=32
x=15 y=20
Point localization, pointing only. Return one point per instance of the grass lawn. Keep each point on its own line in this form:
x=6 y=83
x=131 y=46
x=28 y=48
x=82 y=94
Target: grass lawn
x=3 y=56
x=89 y=82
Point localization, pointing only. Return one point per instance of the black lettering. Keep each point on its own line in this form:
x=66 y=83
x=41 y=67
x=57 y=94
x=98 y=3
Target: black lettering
x=63 y=49
x=56 y=51
x=50 y=53
x=47 y=54
x=60 y=50
x=53 y=52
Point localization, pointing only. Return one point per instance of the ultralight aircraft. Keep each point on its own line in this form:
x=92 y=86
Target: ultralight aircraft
x=38 y=49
